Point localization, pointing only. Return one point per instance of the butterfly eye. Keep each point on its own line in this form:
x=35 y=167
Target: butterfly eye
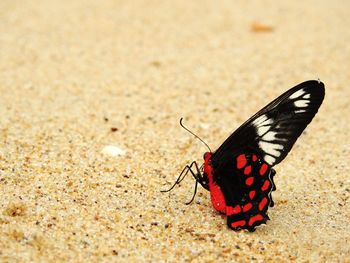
x=204 y=181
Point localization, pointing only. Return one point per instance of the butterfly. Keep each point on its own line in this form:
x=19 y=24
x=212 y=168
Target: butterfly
x=239 y=174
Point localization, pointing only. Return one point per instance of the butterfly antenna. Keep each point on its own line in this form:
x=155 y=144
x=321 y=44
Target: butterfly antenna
x=194 y=135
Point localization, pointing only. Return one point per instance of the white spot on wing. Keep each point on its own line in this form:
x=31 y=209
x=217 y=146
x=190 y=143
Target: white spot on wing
x=259 y=120
x=306 y=96
x=262 y=124
x=270 y=136
x=300 y=111
x=269 y=159
x=271 y=148
x=262 y=130
x=301 y=103
x=297 y=94
x=267 y=122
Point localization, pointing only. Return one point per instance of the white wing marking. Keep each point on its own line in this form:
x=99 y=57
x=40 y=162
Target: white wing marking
x=262 y=130
x=297 y=94
x=271 y=148
x=269 y=159
x=301 y=103
x=270 y=136
x=259 y=120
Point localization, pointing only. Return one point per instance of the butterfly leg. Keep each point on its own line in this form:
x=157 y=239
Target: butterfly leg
x=199 y=179
x=184 y=172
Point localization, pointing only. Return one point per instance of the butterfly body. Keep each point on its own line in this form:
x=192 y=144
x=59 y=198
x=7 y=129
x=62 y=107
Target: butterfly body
x=239 y=174
x=216 y=196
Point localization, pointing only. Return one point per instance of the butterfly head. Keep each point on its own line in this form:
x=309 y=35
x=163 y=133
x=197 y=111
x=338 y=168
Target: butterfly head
x=203 y=179
x=207 y=171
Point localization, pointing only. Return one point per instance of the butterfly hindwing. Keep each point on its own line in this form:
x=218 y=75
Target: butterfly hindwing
x=246 y=184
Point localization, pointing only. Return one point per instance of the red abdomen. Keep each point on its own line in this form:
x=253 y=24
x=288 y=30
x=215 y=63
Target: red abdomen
x=216 y=195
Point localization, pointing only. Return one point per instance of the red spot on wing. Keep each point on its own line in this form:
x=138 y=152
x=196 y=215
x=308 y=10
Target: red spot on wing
x=249 y=181
x=247 y=207
x=233 y=210
x=255 y=218
x=241 y=161
x=251 y=194
x=263 y=169
x=247 y=170
x=266 y=185
x=238 y=223
x=254 y=158
x=262 y=203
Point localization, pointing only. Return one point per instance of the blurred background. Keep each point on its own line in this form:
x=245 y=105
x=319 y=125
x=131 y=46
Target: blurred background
x=90 y=97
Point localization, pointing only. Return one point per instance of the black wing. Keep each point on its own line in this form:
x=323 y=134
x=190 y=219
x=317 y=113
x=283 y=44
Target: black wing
x=273 y=130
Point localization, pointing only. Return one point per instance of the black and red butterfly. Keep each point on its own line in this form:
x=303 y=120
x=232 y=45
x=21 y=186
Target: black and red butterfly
x=239 y=174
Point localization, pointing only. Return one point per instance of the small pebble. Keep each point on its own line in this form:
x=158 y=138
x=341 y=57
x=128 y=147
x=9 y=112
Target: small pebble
x=112 y=150
x=204 y=126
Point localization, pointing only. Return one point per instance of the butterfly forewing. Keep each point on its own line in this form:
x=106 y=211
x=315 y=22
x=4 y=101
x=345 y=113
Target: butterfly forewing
x=272 y=131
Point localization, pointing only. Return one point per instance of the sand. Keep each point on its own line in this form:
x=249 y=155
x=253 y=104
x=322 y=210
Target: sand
x=79 y=76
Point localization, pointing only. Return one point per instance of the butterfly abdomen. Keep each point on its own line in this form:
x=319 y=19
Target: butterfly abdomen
x=216 y=196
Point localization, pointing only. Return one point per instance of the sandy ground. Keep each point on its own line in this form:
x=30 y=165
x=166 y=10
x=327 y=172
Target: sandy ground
x=76 y=76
